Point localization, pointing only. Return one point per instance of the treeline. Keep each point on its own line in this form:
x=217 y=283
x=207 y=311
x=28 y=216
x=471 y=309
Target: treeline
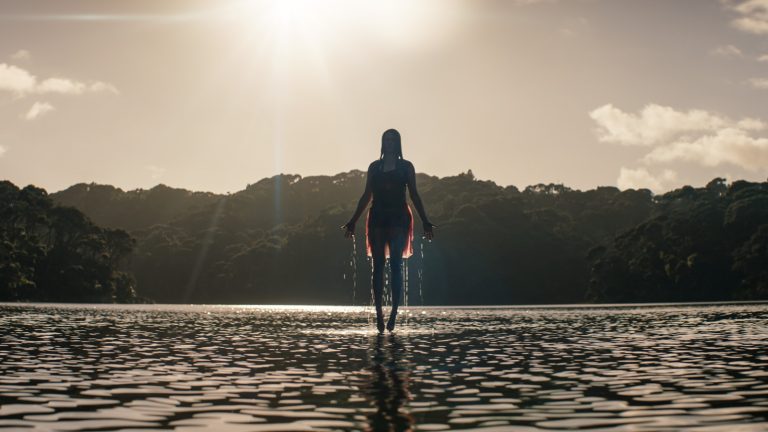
x=55 y=253
x=699 y=244
x=278 y=241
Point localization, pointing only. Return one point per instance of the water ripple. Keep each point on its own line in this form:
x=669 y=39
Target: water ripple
x=270 y=368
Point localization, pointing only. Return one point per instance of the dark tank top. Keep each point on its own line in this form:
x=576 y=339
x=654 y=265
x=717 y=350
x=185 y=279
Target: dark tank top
x=389 y=208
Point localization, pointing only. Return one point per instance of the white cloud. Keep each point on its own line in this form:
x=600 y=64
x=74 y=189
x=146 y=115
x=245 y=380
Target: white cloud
x=22 y=83
x=99 y=86
x=763 y=58
x=694 y=136
x=760 y=83
x=21 y=54
x=726 y=51
x=38 y=109
x=60 y=85
x=727 y=146
x=155 y=171
x=2 y=151
x=752 y=25
x=16 y=80
x=656 y=124
x=640 y=178
x=67 y=86
x=751 y=124
x=753 y=15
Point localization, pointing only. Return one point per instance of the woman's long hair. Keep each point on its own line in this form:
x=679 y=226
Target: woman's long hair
x=394 y=135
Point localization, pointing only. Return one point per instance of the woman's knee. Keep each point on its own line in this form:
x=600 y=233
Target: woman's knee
x=397 y=241
x=395 y=264
x=378 y=263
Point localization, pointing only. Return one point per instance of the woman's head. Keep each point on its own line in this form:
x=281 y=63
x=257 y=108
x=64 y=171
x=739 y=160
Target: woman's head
x=390 y=143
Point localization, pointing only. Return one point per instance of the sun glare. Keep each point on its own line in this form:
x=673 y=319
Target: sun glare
x=289 y=18
x=400 y=22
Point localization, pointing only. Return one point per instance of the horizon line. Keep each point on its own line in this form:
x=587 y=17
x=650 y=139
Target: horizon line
x=126 y=189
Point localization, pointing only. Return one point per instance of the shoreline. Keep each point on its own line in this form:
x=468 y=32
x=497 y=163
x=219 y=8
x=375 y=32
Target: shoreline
x=353 y=308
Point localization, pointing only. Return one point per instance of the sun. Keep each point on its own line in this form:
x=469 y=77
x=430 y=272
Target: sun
x=290 y=18
x=402 y=23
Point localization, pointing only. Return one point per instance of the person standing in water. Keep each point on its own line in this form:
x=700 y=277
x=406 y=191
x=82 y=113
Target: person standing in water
x=389 y=226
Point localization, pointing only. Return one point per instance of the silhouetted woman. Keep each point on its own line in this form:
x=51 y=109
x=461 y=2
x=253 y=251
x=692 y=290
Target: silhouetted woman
x=389 y=227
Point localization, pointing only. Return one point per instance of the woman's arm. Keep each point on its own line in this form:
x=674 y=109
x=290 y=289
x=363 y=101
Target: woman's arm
x=361 y=204
x=416 y=199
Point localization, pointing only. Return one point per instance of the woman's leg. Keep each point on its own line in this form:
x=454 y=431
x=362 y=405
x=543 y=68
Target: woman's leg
x=396 y=240
x=378 y=242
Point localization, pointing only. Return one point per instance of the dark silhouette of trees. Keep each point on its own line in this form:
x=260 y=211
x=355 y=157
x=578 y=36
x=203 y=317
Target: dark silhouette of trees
x=55 y=253
x=699 y=244
x=277 y=241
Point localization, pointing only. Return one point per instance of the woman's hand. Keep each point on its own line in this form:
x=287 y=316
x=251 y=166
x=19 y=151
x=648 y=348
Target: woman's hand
x=349 y=229
x=428 y=234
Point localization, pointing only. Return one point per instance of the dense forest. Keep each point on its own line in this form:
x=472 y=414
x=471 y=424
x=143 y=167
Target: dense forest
x=55 y=253
x=279 y=241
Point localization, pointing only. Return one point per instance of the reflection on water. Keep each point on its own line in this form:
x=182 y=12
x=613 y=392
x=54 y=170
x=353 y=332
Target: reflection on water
x=389 y=382
x=253 y=368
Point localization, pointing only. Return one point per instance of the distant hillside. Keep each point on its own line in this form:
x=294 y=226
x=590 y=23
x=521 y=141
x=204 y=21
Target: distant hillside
x=112 y=207
x=278 y=241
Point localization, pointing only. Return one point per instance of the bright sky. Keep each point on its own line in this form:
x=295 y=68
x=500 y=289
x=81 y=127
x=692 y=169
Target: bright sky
x=213 y=95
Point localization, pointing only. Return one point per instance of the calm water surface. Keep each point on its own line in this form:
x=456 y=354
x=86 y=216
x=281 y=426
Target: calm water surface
x=259 y=368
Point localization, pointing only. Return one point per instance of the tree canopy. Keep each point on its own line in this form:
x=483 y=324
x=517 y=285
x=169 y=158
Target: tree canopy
x=278 y=241
x=55 y=253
